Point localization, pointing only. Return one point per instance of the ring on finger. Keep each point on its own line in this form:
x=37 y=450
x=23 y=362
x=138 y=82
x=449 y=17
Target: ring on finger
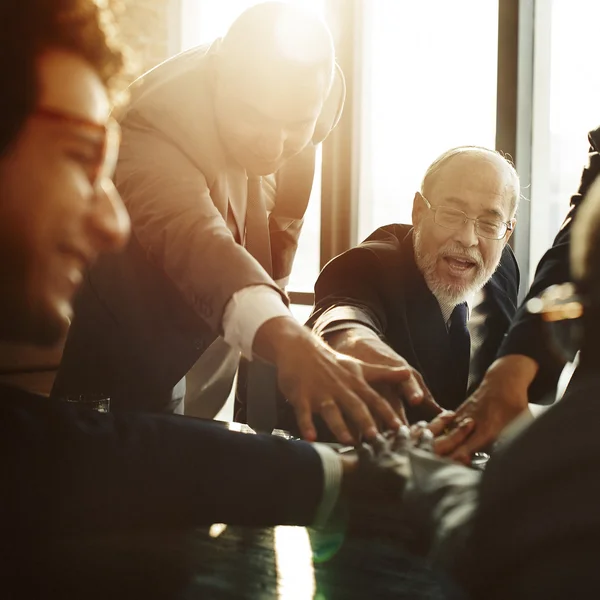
x=327 y=403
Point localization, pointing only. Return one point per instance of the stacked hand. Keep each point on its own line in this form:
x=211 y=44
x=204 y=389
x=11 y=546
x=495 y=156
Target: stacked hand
x=317 y=379
x=501 y=398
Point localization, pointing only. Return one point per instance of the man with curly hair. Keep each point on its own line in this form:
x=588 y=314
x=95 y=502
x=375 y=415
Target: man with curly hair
x=66 y=469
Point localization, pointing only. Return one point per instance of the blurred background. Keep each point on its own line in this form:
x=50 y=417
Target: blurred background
x=423 y=76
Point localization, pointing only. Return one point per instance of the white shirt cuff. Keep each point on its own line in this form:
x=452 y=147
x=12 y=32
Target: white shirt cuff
x=283 y=283
x=332 y=482
x=249 y=309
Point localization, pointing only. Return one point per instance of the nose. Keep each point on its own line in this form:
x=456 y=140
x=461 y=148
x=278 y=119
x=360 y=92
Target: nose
x=270 y=145
x=466 y=235
x=109 y=221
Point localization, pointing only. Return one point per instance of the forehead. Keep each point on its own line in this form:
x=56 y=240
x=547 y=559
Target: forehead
x=70 y=84
x=478 y=182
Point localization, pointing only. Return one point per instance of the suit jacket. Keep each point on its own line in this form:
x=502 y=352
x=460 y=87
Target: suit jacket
x=526 y=332
x=378 y=284
x=529 y=528
x=67 y=470
x=145 y=316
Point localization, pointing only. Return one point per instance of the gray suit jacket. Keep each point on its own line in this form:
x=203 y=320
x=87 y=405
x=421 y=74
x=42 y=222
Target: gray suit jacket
x=145 y=316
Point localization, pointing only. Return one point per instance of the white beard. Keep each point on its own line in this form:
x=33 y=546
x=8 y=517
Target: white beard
x=451 y=293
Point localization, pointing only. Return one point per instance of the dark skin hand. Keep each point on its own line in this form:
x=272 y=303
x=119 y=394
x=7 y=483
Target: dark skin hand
x=366 y=346
x=316 y=379
x=501 y=398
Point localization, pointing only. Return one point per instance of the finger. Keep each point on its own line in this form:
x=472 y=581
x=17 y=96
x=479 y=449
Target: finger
x=358 y=406
x=390 y=411
x=445 y=420
x=391 y=396
x=479 y=439
x=427 y=401
x=448 y=442
x=383 y=373
x=305 y=421
x=331 y=414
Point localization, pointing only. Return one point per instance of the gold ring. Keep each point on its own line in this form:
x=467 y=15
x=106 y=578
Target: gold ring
x=328 y=402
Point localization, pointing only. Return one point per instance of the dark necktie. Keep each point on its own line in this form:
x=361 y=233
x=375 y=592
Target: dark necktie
x=260 y=378
x=460 y=352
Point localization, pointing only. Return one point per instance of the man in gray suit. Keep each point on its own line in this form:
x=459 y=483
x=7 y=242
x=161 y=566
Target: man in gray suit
x=215 y=169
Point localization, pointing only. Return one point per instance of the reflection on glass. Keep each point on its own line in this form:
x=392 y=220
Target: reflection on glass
x=429 y=83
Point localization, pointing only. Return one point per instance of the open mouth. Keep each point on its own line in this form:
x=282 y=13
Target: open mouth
x=460 y=266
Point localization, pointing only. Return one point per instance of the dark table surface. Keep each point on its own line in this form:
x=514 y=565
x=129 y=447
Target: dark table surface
x=237 y=563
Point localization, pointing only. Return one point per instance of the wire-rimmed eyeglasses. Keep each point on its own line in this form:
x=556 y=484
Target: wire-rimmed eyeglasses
x=452 y=218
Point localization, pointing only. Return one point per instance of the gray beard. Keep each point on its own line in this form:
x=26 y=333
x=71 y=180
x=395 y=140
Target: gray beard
x=449 y=293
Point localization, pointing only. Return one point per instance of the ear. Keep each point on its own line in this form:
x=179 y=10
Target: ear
x=510 y=231
x=417 y=209
x=332 y=108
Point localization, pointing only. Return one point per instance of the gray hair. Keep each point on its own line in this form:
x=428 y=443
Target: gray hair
x=438 y=164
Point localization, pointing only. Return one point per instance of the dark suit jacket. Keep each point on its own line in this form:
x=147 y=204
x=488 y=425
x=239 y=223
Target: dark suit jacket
x=526 y=333
x=146 y=315
x=529 y=528
x=65 y=470
x=379 y=285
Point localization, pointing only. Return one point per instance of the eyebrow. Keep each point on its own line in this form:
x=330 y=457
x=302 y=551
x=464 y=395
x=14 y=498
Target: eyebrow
x=489 y=211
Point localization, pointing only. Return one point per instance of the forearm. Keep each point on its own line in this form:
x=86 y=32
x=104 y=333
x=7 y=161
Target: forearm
x=70 y=472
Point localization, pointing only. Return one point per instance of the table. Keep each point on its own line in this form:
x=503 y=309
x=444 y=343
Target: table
x=236 y=563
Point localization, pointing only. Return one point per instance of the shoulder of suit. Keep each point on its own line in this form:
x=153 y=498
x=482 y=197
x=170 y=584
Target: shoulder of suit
x=387 y=238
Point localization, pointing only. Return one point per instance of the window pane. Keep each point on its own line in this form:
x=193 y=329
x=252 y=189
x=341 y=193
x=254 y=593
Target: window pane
x=566 y=107
x=202 y=22
x=429 y=83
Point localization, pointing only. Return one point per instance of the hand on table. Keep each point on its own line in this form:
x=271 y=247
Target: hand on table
x=316 y=379
x=368 y=348
x=501 y=398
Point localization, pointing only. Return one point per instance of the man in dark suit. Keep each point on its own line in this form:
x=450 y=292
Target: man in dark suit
x=529 y=527
x=216 y=169
x=66 y=470
x=393 y=299
x=526 y=369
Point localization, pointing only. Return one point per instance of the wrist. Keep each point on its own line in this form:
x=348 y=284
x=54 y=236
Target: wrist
x=273 y=338
x=513 y=371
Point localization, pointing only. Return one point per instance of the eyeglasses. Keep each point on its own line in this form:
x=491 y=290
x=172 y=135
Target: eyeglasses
x=111 y=139
x=452 y=218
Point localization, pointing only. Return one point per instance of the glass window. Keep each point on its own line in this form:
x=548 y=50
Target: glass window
x=566 y=107
x=202 y=22
x=429 y=83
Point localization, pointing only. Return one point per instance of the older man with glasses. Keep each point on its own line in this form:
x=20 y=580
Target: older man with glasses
x=437 y=296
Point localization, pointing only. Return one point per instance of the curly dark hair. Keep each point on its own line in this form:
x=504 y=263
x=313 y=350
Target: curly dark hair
x=28 y=27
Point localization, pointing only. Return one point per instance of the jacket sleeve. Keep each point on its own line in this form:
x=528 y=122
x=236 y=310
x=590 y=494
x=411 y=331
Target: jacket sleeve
x=347 y=293
x=67 y=471
x=180 y=228
x=526 y=329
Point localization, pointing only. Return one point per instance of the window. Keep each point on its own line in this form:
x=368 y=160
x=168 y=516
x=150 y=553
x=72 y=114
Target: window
x=429 y=83
x=566 y=106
